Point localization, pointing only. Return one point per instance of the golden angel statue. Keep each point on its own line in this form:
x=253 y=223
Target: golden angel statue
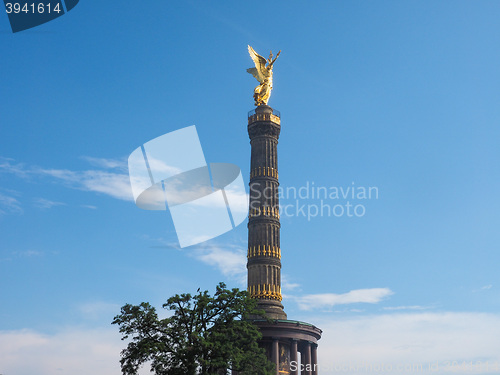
x=263 y=74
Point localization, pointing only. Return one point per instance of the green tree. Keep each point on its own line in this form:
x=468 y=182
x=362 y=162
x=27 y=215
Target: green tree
x=205 y=335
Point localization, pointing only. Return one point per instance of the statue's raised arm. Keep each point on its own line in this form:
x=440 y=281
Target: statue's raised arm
x=264 y=74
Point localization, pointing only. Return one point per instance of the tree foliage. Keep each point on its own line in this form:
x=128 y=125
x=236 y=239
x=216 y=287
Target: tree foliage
x=204 y=335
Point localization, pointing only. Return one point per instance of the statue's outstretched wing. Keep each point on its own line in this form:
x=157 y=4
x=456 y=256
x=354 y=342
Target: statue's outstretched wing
x=259 y=72
x=255 y=73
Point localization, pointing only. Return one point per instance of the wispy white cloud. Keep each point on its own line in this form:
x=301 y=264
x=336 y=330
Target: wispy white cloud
x=286 y=284
x=9 y=205
x=114 y=184
x=73 y=351
x=46 y=203
x=107 y=163
x=328 y=300
x=28 y=253
x=23 y=254
x=8 y=165
x=483 y=288
x=356 y=310
x=98 y=310
x=161 y=169
x=409 y=343
x=413 y=307
x=160 y=242
x=238 y=199
x=89 y=206
x=112 y=179
x=231 y=261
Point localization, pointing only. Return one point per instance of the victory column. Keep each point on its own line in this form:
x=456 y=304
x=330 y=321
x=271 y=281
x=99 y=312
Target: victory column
x=283 y=339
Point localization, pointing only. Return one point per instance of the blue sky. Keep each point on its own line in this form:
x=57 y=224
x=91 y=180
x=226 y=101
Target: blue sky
x=401 y=96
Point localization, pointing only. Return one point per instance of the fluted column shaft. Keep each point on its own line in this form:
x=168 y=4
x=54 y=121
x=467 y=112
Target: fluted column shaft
x=276 y=355
x=314 y=359
x=264 y=252
x=307 y=359
x=294 y=357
